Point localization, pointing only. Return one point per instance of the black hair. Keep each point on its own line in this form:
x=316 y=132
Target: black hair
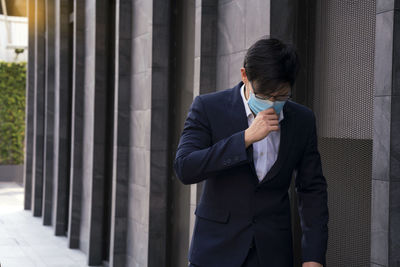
x=271 y=64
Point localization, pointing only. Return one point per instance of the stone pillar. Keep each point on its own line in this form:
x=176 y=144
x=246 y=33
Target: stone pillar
x=61 y=155
x=147 y=198
x=205 y=50
x=95 y=122
x=77 y=107
x=240 y=24
x=38 y=121
x=159 y=142
x=385 y=218
x=139 y=138
x=122 y=98
x=30 y=95
x=205 y=75
x=49 y=115
x=181 y=88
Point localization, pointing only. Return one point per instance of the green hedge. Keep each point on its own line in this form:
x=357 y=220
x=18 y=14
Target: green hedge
x=12 y=112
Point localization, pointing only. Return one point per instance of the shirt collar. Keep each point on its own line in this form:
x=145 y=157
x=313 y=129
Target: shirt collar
x=247 y=108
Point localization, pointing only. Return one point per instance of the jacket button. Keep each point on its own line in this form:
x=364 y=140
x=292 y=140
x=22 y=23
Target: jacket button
x=254 y=220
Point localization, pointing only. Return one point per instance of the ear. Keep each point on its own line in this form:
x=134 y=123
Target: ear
x=244 y=75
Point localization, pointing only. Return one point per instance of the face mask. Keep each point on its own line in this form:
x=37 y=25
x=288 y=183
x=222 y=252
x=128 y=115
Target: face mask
x=257 y=105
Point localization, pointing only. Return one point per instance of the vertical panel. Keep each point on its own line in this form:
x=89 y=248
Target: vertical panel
x=96 y=122
x=394 y=208
x=342 y=102
x=344 y=69
x=385 y=217
x=206 y=38
x=109 y=127
x=231 y=42
x=205 y=74
x=122 y=101
x=148 y=168
x=240 y=24
x=88 y=124
x=48 y=174
x=159 y=153
x=335 y=40
x=181 y=86
x=30 y=89
x=77 y=105
x=38 y=121
x=62 y=94
x=139 y=138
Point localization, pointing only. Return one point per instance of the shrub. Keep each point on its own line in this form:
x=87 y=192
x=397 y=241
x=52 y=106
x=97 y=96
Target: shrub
x=12 y=112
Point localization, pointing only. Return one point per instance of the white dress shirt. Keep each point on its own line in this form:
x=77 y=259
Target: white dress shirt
x=265 y=151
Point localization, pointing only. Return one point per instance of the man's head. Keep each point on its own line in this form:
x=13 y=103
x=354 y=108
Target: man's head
x=270 y=68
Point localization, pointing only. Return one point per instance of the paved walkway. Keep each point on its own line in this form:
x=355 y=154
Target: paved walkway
x=25 y=241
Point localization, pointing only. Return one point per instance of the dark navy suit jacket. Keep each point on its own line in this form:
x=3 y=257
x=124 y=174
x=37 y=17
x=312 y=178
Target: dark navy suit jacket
x=234 y=205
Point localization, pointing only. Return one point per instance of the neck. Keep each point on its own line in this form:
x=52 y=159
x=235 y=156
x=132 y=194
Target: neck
x=246 y=92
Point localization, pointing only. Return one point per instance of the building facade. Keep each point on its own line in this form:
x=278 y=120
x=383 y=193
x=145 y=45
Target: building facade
x=109 y=85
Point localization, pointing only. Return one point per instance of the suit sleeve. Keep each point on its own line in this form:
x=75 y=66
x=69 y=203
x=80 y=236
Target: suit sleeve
x=312 y=196
x=196 y=157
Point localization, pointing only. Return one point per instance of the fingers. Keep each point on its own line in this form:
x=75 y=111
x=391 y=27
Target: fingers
x=273 y=122
x=274 y=128
x=268 y=111
x=271 y=116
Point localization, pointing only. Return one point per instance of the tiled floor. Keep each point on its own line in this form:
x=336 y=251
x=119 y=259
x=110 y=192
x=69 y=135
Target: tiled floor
x=25 y=241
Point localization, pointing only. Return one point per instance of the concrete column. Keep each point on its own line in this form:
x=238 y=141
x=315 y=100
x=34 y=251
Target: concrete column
x=159 y=142
x=61 y=155
x=205 y=48
x=205 y=74
x=77 y=106
x=122 y=98
x=283 y=18
x=95 y=122
x=139 y=138
x=38 y=121
x=147 y=208
x=240 y=24
x=181 y=88
x=49 y=115
x=385 y=218
x=30 y=95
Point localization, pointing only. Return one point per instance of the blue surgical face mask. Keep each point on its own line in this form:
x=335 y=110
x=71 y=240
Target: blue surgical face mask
x=257 y=105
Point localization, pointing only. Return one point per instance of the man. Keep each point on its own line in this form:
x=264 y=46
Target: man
x=245 y=143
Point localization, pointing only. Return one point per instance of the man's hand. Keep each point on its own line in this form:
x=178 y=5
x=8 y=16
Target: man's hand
x=265 y=122
x=311 y=264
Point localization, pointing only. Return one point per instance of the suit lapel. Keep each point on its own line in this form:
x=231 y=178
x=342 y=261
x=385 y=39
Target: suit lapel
x=287 y=137
x=237 y=110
